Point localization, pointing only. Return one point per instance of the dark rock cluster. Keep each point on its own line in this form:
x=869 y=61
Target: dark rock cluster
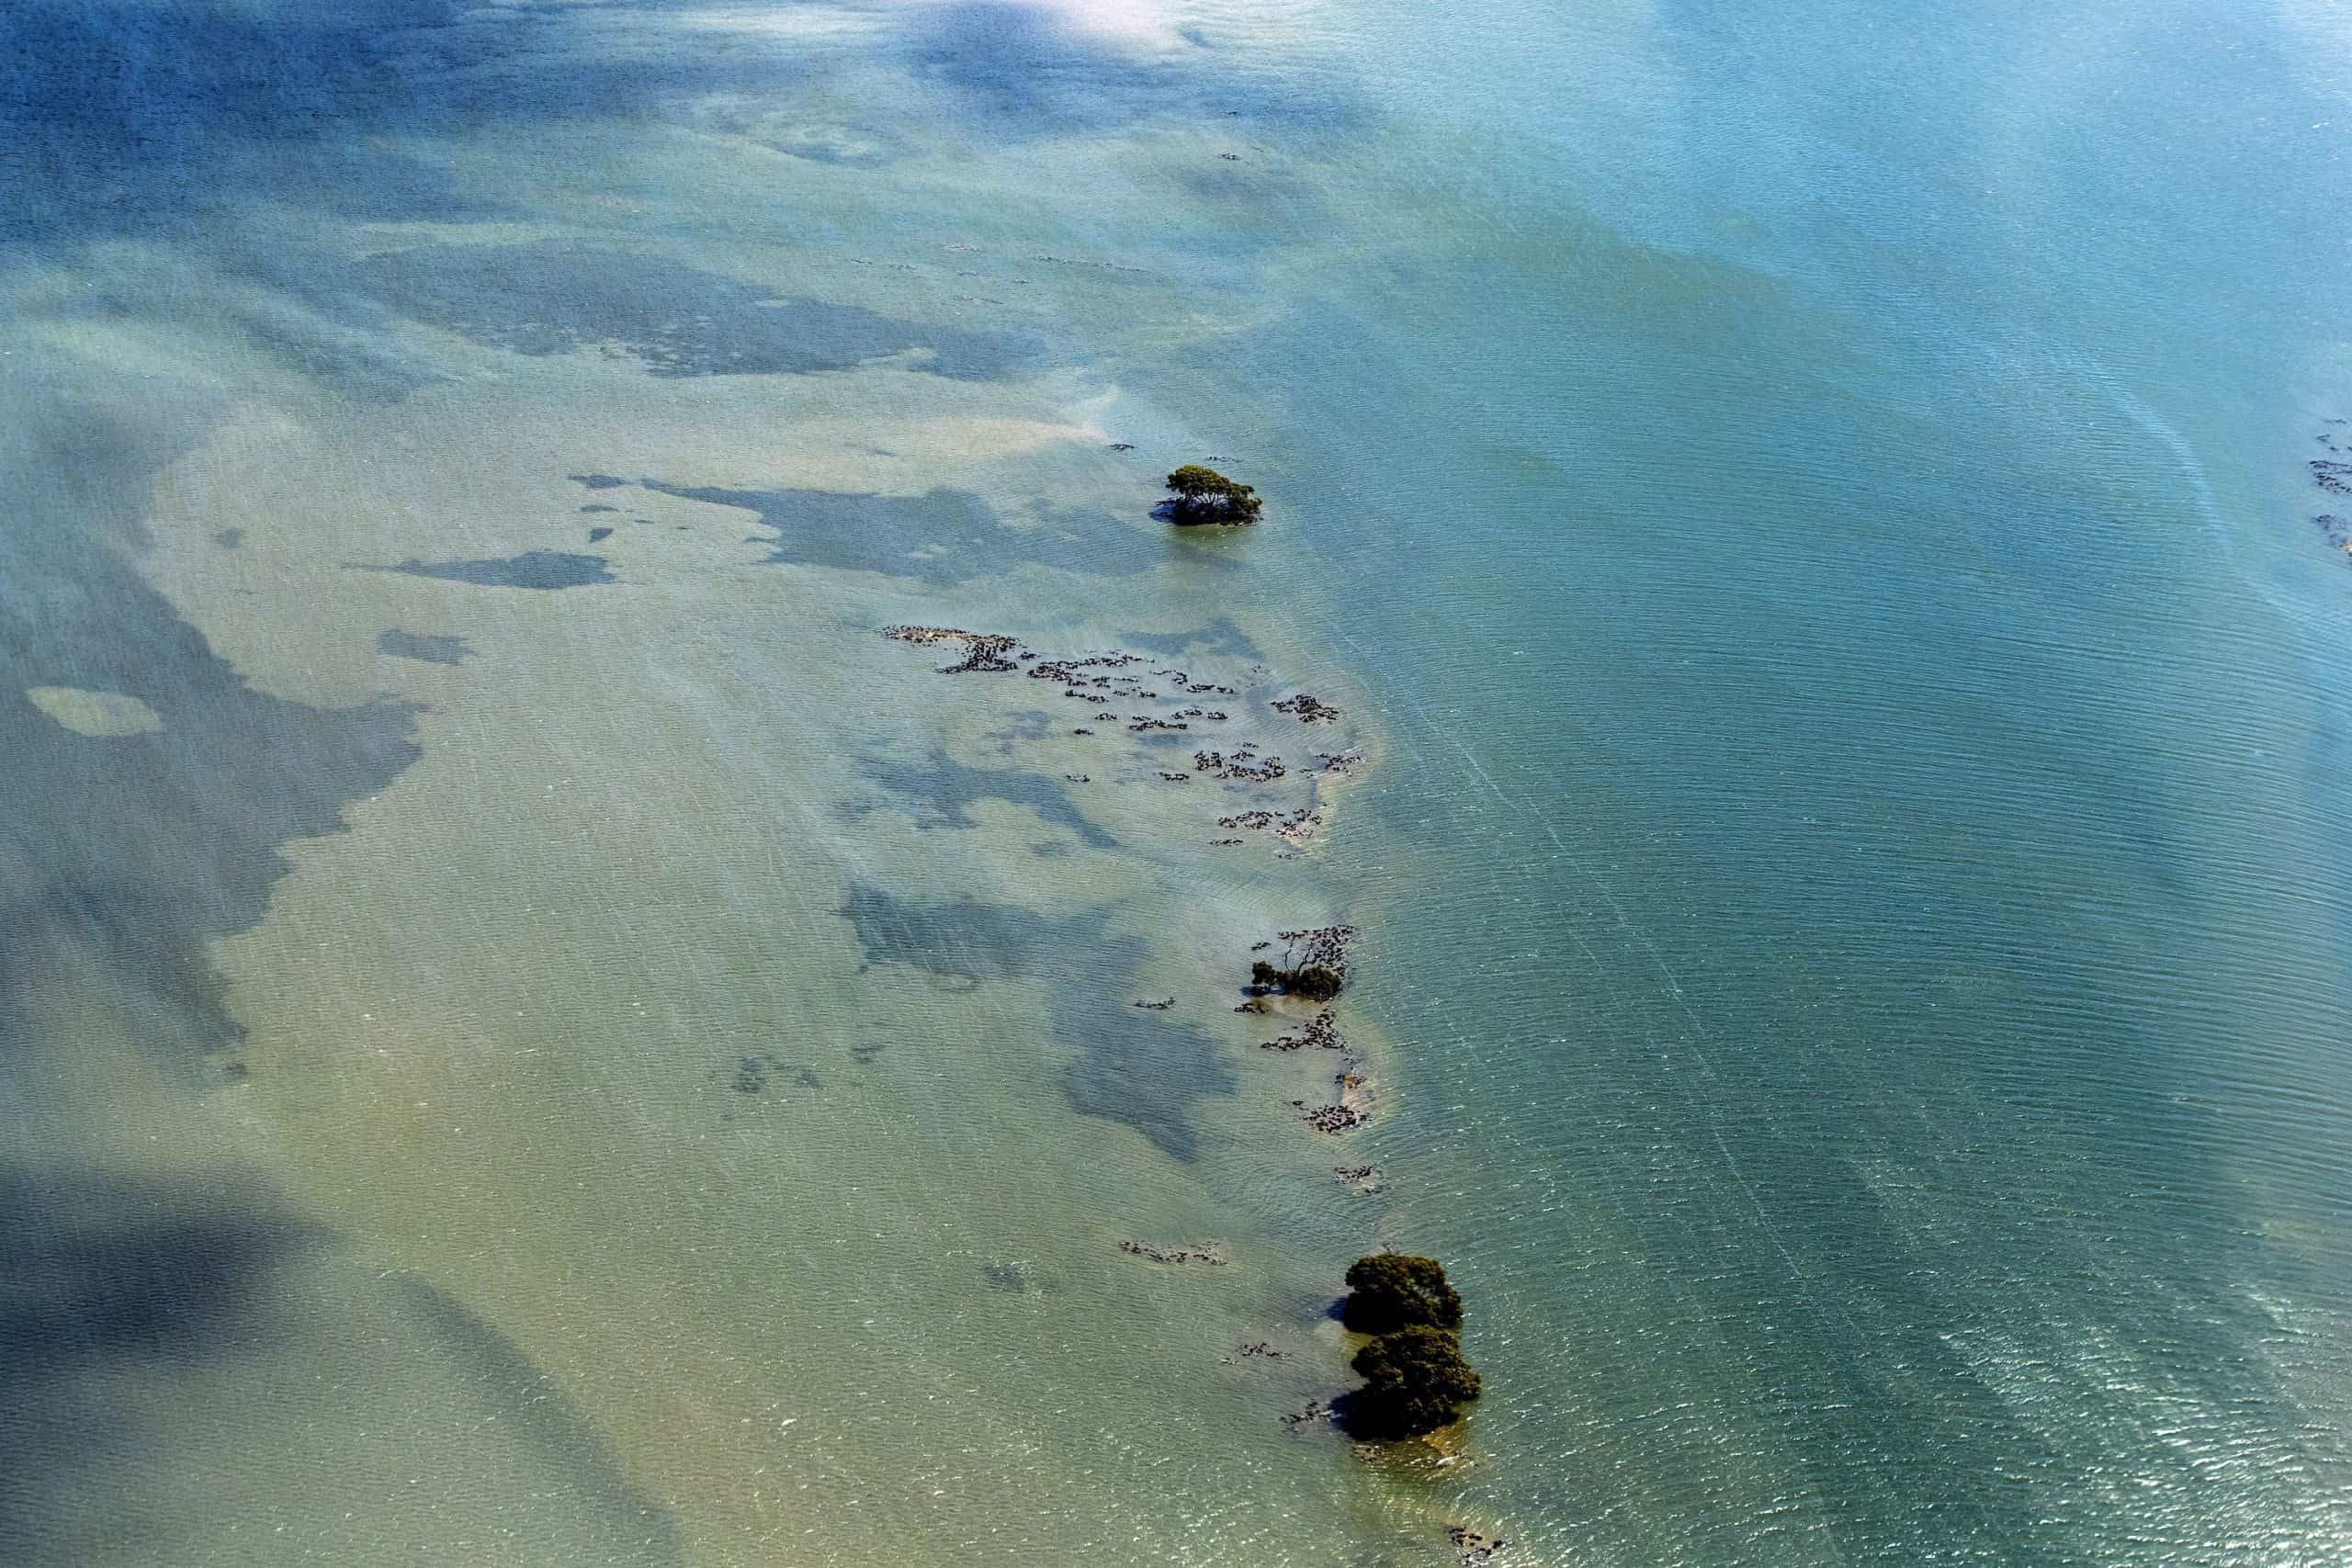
x=1195 y=688
x=1101 y=678
x=1323 y=945
x=1244 y=766
x=1348 y=1107
x=1321 y=1033
x=1212 y=1253
x=1474 y=1548
x=1307 y=710
x=984 y=652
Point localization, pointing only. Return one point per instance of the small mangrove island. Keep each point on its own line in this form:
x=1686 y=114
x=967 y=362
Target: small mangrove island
x=1314 y=963
x=1415 y=1378
x=1312 y=982
x=1200 y=495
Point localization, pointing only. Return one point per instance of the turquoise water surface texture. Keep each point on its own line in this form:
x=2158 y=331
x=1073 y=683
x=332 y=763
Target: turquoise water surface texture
x=632 y=858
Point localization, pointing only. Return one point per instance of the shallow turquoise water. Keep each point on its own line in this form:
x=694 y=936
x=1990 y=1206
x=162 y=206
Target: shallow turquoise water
x=1808 y=510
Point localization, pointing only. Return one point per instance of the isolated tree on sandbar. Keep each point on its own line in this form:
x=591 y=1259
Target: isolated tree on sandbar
x=1390 y=1291
x=1202 y=495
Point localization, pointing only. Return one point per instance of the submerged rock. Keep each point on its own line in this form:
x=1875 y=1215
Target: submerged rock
x=1212 y=1253
x=1474 y=1548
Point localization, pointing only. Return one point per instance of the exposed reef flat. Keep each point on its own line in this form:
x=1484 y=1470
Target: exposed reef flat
x=1136 y=709
x=1349 y=1107
x=1244 y=766
x=1314 y=965
x=983 y=652
x=2333 y=476
x=1322 y=1032
x=1153 y=704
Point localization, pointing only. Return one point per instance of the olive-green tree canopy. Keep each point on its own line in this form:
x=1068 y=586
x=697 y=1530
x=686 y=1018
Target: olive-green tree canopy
x=1390 y=1291
x=1415 y=1380
x=1198 y=494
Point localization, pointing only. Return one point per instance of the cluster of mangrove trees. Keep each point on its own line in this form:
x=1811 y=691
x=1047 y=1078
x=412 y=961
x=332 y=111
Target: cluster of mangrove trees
x=1196 y=495
x=1415 y=1379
